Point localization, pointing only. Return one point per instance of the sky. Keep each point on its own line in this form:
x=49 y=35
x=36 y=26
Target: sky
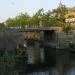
x=12 y=8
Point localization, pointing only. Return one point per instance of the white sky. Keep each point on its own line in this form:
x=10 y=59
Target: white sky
x=11 y=8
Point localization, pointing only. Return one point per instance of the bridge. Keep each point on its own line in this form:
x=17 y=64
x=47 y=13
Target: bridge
x=41 y=48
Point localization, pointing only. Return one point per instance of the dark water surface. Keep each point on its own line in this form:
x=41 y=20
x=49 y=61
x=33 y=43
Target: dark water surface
x=53 y=72
x=70 y=70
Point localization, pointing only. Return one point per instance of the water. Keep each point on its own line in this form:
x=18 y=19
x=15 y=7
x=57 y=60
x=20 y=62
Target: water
x=54 y=71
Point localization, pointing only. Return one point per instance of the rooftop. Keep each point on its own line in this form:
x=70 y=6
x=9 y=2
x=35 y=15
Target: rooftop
x=71 y=8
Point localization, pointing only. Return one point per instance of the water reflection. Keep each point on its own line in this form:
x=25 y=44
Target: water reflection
x=54 y=71
x=71 y=71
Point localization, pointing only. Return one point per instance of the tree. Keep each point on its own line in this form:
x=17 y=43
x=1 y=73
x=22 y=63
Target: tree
x=40 y=18
x=9 y=39
x=45 y=18
x=37 y=18
x=60 y=12
x=23 y=19
x=20 y=20
x=9 y=22
x=54 y=22
x=2 y=26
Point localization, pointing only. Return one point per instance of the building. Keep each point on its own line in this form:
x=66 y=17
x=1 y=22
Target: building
x=70 y=17
x=71 y=12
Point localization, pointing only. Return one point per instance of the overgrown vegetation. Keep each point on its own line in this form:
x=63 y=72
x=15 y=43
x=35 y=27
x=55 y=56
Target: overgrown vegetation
x=9 y=40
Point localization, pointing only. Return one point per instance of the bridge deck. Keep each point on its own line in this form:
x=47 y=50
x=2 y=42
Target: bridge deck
x=35 y=29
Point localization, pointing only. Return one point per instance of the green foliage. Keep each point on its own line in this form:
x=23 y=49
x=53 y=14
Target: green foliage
x=7 y=62
x=20 y=20
x=60 y=12
x=9 y=40
x=36 y=18
x=2 y=26
x=54 y=22
x=67 y=28
x=40 y=18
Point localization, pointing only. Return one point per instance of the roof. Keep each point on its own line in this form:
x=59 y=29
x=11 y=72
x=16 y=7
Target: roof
x=71 y=8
